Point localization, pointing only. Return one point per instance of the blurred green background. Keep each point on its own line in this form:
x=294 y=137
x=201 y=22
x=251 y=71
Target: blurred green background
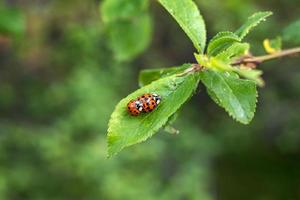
x=65 y=64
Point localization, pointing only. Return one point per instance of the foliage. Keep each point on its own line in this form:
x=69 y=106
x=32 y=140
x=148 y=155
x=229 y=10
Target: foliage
x=12 y=21
x=126 y=23
x=252 y=21
x=291 y=33
x=189 y=18
x=236 y=96
x=221 y=42
x=125 y=130
x=273 y=45
x=61 y=80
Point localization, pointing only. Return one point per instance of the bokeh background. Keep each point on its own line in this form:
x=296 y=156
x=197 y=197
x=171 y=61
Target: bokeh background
x=64 y=65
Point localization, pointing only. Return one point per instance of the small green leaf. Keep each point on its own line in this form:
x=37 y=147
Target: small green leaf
x=12 y=21
x=291 y=33
x=125 y=130
x=149 y=75
x=251 y=74
x=128 y=25
x=188 y=16
x=236 y=50
x=252 y=21
x=168 y=126
x=220 y=42
x=236 y=96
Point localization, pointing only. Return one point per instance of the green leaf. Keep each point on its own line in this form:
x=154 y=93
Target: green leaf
x=236 y=96
x=188 y=16
x=251 y=74
x=129 y=27
x=114 y=10
x=222 y=64
x=12 y=21
x=125 y=130
x=236 y=50
x=168 y=126
x=252 y=21
x=128 y=39
x=291 y=33
x=149 y=75
x=220 y=42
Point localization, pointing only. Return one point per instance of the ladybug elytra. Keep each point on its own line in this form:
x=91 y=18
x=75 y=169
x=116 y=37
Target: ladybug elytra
x=145 y=103
x=135 y=107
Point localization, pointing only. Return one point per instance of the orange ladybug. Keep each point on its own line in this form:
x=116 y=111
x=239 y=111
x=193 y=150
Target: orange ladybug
x=150 y=101
x=135 y=107
x=145 y=103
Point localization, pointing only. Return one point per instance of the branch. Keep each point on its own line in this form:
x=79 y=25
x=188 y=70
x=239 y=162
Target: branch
x=248 y=60
x=259 y=59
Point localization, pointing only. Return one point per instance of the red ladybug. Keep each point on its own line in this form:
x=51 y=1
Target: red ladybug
x=135 y=107
x=145 y=103
x=150 y=101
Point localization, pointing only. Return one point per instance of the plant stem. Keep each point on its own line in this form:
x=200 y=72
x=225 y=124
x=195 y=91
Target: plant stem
x=247 y=60
x=260 y=59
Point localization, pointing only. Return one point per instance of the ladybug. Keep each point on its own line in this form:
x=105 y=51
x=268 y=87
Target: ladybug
x=150 y=101
x=145 y=103
x=135 y=107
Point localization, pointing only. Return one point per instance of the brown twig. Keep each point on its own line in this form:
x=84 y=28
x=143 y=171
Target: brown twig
x=248 y=60
x=260 y=59
x=194 y=68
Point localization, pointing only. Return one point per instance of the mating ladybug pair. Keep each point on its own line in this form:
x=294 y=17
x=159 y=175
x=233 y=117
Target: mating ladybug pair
x=145 y=103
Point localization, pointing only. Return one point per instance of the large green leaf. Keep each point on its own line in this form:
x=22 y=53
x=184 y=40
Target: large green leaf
x=149 y=75
x=129 y=27
x=125 y=130
x=220 y=42
x=113 y=10
x=188 y=16
x=128 y=39
x=236 y=96
x=291 y=33
x=252 y=21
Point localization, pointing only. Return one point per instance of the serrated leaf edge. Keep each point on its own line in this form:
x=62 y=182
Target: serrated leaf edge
x=231 y=114
x=249 y=28
x=149 y=135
